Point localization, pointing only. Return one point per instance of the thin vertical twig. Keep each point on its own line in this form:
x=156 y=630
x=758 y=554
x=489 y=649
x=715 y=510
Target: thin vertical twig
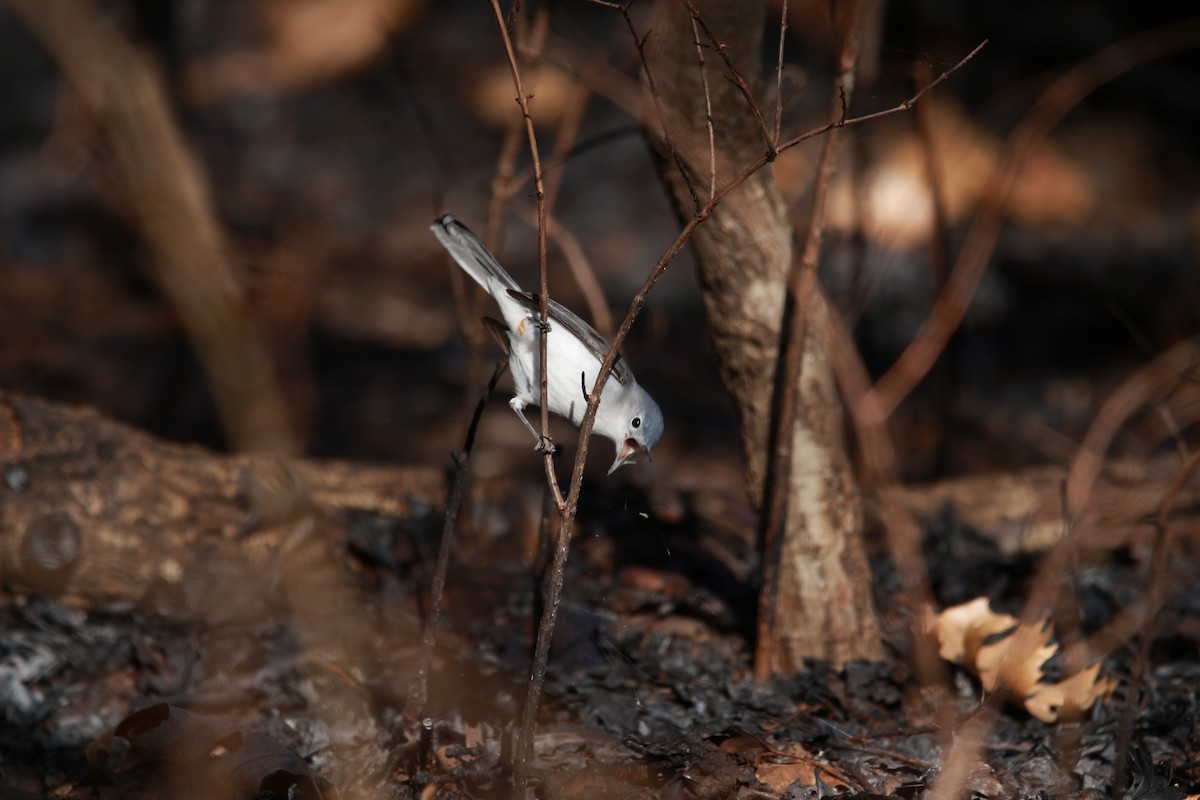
x=1158 y=568
x=1163 y=372
x=783 y=16
x=708 y=116
x=537 y=678
x=907 y=105
x=503 y=180
x=419 y=692
x=544 y=285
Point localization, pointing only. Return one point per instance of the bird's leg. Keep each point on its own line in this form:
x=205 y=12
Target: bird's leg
x=544 y=443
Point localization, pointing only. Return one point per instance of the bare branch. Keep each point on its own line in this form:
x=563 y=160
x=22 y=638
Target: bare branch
x=419 y=692
x=540 y=196
x=702 y=214
x=783 y=15
x=734 y=75
x=1176 y=365
x=1054 y=104
x=708 y=115
x=887 y=112
x=640 y=44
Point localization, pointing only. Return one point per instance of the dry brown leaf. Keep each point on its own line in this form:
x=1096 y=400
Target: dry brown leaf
x=1067 y=698
x=792 y=762
x=1013 y=664
x=778 y=777
x=957 y=625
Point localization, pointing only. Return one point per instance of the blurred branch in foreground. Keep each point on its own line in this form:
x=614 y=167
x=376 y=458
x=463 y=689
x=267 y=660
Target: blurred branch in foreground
x=169 y=201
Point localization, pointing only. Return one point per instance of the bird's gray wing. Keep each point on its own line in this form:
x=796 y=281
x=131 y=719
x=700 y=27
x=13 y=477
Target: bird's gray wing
x=564 y=316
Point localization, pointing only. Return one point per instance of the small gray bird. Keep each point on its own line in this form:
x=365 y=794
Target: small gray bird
x=574 y=352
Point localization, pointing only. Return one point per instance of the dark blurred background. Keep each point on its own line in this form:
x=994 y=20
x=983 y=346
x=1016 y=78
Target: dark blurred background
x=332 y=132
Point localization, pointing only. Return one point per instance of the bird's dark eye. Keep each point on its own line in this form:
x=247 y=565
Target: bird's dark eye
x=637 y=422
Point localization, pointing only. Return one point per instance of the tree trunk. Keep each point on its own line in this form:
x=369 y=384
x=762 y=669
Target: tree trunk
x=743 y=252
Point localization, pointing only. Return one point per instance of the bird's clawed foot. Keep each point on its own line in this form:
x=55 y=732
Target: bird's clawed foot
x=545 y=445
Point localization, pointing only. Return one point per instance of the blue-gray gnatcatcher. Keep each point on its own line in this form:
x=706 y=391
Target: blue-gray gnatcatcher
x=574 y=352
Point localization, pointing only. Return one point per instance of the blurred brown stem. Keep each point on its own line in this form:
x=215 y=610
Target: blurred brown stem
x=419 y=691
x=170 y=202
x=1050 y=109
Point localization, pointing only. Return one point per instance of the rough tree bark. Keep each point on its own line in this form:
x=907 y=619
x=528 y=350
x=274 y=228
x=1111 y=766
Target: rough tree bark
x=743 y=252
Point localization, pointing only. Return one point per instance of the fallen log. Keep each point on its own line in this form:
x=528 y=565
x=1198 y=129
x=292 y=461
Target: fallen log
x=95 y=508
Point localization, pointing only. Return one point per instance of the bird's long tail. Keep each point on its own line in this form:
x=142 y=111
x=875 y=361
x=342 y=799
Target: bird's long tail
x=472 y=256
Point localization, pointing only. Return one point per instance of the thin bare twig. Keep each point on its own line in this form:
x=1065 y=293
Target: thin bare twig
x=419 y=692
x=783 y=16
x=1159 y=591
x=1155 y=378
x=1054 y=104
x=735 y=76
x=540 y=196
x=505 y=183
x=640 y=45
x=702 y=214
x=907 y=105
x=708 y=116
x=537 y=676
x=1149 y=381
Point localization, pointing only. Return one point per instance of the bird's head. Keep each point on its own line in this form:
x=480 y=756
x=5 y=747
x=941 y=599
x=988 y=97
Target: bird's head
x=637 y=429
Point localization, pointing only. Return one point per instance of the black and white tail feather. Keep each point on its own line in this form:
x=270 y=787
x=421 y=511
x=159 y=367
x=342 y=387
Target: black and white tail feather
x=574 y=352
